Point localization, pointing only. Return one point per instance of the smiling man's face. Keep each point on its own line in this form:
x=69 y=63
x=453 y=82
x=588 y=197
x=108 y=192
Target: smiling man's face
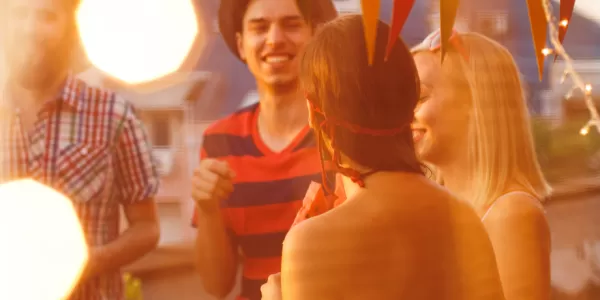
x=274 y=33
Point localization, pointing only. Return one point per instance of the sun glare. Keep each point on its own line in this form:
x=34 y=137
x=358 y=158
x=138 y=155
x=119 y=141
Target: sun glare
x=137 y=41
x=43 y=247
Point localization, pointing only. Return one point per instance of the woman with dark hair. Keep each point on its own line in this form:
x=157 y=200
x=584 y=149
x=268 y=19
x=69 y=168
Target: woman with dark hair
x=398 y=235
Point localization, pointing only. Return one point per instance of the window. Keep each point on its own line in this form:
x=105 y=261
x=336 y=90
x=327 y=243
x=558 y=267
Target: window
x=347 y=6
x=492 y=23
x=161 y=130
x=460 y=24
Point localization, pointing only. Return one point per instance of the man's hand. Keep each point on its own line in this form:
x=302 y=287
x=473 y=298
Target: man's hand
x=211 y=183
x=272 y=289
x=92 y=266
x=137 y=240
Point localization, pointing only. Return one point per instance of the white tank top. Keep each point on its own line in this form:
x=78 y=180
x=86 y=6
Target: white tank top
x=537 y=202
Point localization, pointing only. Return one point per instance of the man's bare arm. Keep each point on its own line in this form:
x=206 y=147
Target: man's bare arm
x=138 y=239
x=216 y=257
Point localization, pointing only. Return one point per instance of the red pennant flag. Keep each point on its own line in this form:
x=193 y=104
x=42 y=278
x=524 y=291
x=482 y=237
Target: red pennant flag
x=448 y=10
x=539 y=31
x=566 y=11
x=370 y=14
x=400 y=13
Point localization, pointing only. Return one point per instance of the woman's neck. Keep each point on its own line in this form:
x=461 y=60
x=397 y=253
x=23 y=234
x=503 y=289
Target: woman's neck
x=350 y=188
x=456 y=177
x=383 y=180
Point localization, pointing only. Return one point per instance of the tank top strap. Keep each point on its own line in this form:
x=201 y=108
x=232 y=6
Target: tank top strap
x=528 y=195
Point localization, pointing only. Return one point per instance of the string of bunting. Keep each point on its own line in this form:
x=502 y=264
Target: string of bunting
x=541 y=19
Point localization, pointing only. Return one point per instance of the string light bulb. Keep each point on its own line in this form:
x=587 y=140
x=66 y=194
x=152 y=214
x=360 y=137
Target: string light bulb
x=547 y=51
x=578 y=83
x=564 y=23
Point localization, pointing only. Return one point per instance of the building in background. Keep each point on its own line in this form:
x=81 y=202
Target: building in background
x=347 y=6
x=506 y=21
x=237 y=81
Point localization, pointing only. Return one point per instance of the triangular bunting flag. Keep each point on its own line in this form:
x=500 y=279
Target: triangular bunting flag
x=370 y=14
x=566 y=11
x=448 y=10
x=539 y=30
x=400 y=13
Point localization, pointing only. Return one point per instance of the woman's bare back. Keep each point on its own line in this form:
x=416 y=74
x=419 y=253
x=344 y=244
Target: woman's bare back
x=412 y=240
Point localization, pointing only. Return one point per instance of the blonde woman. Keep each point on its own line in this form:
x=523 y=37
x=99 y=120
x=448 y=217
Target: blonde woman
x=472 y=126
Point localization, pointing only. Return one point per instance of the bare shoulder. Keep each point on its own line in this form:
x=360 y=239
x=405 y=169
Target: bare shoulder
x=520 y=235
x=316 y=234
x=356 y=227
x=309 y=252
x=443 y=207
x=517 y=209
x=303 y=234
x=388 y=243
x=518 y=219
x=324 y=255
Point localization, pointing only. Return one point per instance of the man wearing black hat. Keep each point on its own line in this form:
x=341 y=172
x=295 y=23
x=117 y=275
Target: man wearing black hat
x=257 y=163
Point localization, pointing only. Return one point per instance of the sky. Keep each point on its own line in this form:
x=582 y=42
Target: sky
x=588 y=8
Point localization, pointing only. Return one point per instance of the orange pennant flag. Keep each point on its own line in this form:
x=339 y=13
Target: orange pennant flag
x=448 y=10
x=566 y=11
x=539 y=31
x=370 y=14
x=400 y=13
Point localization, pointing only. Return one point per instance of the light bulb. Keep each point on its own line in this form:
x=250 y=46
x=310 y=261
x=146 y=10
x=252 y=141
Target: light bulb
x=564 y=23
x=584 y=131
x=547 y=51
x=588 y=88
x=43 y=250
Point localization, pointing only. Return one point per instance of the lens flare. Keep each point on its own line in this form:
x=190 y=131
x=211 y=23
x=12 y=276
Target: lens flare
x=137 y=41
x=43 y=250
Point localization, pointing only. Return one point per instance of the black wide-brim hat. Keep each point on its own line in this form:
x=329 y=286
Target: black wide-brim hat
x=231 y=15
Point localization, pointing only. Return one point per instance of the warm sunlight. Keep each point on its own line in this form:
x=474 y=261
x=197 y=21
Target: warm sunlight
x=137 y=40
x=43 y=247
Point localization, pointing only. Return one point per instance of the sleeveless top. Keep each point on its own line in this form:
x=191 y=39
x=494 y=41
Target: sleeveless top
x=528 y=195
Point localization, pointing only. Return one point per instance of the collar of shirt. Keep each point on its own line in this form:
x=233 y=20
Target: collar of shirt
x=71 y=94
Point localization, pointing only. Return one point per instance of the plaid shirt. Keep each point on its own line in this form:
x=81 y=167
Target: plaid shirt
x=89 y=145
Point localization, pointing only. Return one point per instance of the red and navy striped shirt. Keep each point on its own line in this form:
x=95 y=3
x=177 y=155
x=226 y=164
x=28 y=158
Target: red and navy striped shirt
x=268 y=190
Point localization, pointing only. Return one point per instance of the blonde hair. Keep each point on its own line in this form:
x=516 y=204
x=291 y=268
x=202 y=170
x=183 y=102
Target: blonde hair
x=500 y=144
